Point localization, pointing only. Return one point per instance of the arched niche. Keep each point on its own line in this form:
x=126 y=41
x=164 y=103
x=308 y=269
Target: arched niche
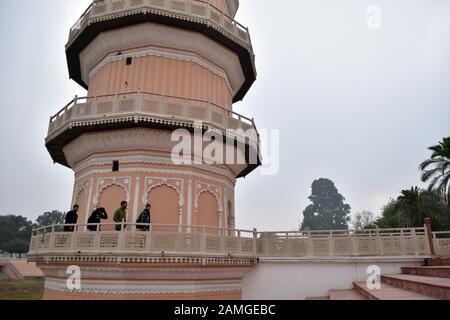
x=207 y=213
x=110 y=199
x=165 y=203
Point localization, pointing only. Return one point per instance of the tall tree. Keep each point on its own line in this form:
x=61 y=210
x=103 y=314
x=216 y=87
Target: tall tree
x=328 y=210
x=436 y=170
x=411 y=208
x=15 y=234
x=50 y=218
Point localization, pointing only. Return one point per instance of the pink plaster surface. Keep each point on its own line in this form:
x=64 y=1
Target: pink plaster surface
x=345 y=295
x=25 y=269
x=388 y=292
x=432 y=281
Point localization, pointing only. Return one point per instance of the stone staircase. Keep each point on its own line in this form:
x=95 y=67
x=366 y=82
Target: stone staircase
x=429 y=282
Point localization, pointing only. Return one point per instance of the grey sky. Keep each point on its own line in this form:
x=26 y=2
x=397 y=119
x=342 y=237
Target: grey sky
x=354 y=105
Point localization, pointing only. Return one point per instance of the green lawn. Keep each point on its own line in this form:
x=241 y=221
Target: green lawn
x=28 y=289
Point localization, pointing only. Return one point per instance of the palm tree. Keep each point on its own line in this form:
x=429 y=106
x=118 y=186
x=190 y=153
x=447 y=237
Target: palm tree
x=436 y=170
x=412 y=207
x=410 y=204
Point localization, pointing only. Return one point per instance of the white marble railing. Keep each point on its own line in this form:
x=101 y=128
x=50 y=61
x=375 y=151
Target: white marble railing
x=192 y=10
x=212 y=240
x=159 y=238
x=379 y=242
x=441 y=241
x=150 y=105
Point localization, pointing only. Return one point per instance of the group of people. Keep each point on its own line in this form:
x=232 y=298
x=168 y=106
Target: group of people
x=99 y=214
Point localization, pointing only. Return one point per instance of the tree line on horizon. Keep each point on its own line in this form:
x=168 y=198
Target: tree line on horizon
x=329 y=211
x=15 y=231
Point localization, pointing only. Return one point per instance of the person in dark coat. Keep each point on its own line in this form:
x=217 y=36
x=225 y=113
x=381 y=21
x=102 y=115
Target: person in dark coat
x=144 y=219
x=71 y=218
x=96 y=217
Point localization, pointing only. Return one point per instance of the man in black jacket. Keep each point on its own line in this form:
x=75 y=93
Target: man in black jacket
x=96 y=217
x=144 y=219
x=71 y=218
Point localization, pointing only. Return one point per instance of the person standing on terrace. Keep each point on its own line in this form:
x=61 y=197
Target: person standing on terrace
x=71 y=218
x=144 y=219
x=120 y=216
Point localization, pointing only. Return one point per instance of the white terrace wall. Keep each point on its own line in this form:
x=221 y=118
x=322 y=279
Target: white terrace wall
x=297 y=279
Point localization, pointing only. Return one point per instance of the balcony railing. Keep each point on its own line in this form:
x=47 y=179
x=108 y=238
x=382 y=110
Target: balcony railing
x=195 y=10
x=154 y=106
x=196 y=240
x=159 y=238
x=378 y=242
x=441 y=241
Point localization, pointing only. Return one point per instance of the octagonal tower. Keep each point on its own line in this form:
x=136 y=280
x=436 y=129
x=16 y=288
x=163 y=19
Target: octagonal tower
x=152 y=67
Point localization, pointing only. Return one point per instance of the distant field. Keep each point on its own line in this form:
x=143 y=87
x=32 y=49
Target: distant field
x=29 y=289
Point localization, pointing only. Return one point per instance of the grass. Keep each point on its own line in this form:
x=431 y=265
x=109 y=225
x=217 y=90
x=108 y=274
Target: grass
x=28 y=289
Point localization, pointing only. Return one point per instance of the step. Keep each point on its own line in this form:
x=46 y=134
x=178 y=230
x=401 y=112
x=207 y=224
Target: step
x=387 y=292
x=437 y=271
x=318 y=298
x=345 y=295
x=436 y=287
x=438 y=262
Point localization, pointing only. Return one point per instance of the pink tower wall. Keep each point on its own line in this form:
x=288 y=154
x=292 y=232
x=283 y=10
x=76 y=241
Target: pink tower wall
x=161 y=75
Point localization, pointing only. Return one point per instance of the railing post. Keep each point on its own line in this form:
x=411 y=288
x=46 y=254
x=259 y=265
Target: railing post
x=139 y=101
x=310 y=244
x=429 y=234
x=163 y=104
x=94 y=110
x=255 y=242
x=416 y=247
x=286 y=245
x=355 y=244
x=148 y=245
x=402 y=243
x=379 y=243
x=73 y=239
x=122 y=237
x=239 y=242
x=115 y=107
x=52 y=239
x=203 y=240
x=222 y=240
x=330 y=244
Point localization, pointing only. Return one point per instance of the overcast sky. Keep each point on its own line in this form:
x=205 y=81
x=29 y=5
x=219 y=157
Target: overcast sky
x=355 y=105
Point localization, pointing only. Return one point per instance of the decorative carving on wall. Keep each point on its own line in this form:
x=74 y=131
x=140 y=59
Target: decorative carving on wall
x=126 y=139
x=148 y=159
x=105 y=183
x=78 y=189
x=155 y=182
x=231 y=218
x=216 y=191
x=140 y=170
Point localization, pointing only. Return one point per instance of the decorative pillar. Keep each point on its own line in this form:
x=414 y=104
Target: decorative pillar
x=189 y=204
x=136 y=200
x=88 y=206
